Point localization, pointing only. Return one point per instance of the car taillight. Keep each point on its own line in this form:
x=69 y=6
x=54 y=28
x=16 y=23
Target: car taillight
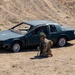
x=74 y=31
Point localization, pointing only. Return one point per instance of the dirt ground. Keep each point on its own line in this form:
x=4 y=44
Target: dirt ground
x=27 y=62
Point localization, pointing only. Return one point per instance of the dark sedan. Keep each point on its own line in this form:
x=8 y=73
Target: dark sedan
x=27 y=34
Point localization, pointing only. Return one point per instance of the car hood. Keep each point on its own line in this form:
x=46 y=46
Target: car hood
x=8 y=34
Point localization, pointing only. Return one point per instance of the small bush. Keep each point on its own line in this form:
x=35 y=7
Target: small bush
x=14 y=65
x=1 y=24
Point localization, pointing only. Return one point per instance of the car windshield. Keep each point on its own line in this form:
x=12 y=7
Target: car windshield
x=21 y=28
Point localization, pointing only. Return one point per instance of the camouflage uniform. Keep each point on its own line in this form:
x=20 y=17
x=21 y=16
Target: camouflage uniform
x=45 y=48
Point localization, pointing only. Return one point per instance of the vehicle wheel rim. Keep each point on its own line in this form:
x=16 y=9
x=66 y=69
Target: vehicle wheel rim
x=62 y=42
x=16 y=47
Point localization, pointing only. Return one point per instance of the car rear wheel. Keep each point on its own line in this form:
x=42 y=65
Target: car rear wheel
x=16 y=47
x=61 y=42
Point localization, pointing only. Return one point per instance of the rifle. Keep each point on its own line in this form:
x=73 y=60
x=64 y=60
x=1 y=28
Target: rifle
x=38 y=51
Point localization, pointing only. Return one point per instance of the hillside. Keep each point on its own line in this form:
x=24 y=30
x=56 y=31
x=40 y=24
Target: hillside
x=26 y=61
x=15 y=11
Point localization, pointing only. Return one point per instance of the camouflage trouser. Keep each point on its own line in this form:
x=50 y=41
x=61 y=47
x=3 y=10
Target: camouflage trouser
x=46 y=48
x=47 y=53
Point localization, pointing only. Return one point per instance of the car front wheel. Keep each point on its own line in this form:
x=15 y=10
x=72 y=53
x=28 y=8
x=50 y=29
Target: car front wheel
x=16 y=47
x=61 y=42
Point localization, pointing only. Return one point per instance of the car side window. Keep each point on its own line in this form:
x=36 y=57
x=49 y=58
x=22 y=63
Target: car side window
x=41 y=29
x=37 y=31
x=33 y=32
x=53 y=28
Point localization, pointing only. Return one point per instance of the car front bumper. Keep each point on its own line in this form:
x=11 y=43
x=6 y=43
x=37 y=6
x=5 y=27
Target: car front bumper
x=2 y=45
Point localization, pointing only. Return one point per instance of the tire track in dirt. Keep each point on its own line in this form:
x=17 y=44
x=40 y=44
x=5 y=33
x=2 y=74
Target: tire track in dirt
x=46 y=8
x=51 y=6
x=39 y=9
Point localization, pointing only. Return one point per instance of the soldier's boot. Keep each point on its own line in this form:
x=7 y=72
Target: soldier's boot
x=51 y=55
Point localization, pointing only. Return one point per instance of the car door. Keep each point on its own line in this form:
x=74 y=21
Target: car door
x=53 y=33
x=33 y=37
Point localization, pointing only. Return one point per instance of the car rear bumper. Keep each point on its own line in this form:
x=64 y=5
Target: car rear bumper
x=74 y=34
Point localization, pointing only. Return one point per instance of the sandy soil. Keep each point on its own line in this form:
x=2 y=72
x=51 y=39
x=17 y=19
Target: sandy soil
x=25 y=63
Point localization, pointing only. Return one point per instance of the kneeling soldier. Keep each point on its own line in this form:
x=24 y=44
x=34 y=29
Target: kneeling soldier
x=45 y=45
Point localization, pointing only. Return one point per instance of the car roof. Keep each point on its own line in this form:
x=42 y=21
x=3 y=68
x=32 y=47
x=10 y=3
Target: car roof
x=40 y=22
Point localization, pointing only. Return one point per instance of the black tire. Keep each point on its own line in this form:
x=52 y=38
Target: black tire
x=61 y=41
x=16 y=47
